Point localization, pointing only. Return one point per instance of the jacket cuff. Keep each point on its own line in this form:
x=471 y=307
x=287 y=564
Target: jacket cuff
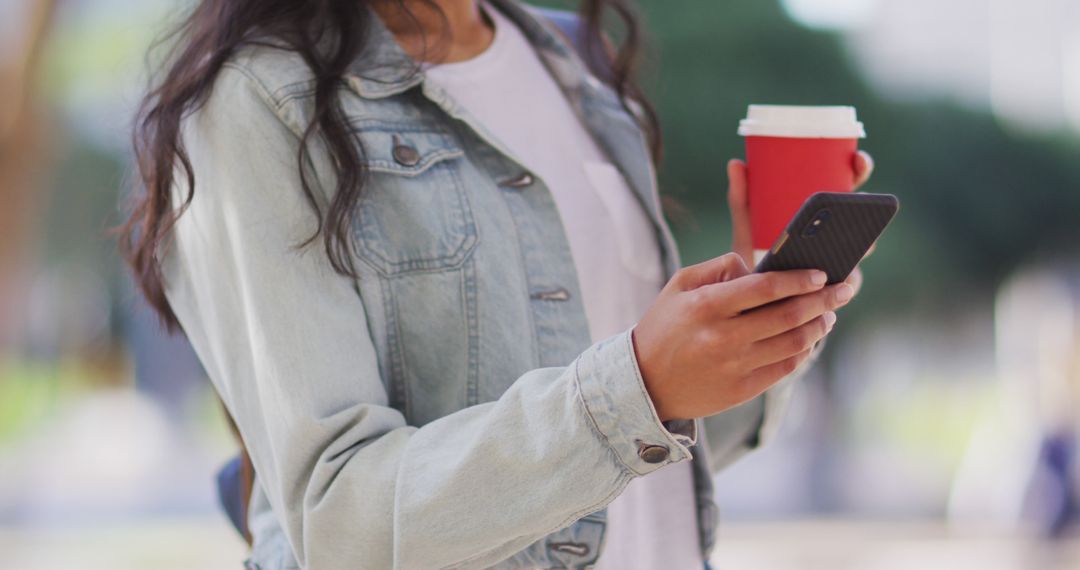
x=685 y=431
x=615 y=398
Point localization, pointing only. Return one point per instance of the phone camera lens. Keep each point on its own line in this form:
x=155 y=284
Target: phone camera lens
x=816 y=223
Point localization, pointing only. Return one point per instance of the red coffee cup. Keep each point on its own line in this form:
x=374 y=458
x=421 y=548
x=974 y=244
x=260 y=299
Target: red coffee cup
x=791 y=153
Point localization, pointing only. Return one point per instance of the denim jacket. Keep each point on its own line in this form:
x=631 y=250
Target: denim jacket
x=444 y=409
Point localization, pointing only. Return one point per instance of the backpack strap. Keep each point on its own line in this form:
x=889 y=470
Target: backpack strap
x=235 y=481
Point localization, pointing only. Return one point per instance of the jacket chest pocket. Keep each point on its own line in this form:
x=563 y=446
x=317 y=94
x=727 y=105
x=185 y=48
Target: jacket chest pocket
x=413 y=212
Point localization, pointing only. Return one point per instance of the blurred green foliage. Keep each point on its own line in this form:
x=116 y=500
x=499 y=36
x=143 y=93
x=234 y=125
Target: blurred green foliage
x=27 y=392
x=977 y=200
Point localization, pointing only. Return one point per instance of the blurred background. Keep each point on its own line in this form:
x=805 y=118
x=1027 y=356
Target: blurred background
x=939 y=430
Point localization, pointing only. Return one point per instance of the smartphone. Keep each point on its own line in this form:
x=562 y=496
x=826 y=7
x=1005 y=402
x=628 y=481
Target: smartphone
x=832 y=231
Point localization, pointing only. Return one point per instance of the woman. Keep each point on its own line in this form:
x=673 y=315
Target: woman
x=410 y=241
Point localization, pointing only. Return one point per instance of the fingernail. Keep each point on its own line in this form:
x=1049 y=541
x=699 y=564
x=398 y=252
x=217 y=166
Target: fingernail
x=844 y=293
x=830 y=320
x=818 y=278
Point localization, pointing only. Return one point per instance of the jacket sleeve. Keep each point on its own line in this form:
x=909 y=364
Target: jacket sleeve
x=285 y=341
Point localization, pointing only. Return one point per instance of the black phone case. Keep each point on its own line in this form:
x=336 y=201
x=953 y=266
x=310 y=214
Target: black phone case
x=854 y=221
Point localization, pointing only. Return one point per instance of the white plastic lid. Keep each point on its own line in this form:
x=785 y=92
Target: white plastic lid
x=826 y=122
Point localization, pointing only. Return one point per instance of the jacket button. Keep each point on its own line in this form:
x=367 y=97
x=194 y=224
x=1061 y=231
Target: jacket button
x=520 y=181
x=653 y=453
x=559 y=294
x=405 y=155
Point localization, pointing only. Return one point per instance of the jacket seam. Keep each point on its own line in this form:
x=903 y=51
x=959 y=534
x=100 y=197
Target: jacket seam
x=407 y=404
x=594 y=426
x=523 y=267
x=264 y=95
x=294 y=90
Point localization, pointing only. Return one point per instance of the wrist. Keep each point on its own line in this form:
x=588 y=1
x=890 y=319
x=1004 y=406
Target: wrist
x=651 y=390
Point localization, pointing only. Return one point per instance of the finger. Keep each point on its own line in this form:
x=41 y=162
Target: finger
x=792 y=342
x=864 y=167
x=767 y=322
x=870 y=250
x=855 y=280
x=757 y=289
x=716 y=270
x=739 y=205
x=765 y=377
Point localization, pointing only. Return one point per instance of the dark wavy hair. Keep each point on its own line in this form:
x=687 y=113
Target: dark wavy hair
x=328 y=35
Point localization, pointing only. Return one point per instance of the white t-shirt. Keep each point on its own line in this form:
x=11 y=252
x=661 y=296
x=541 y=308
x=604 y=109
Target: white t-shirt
x=653 y=523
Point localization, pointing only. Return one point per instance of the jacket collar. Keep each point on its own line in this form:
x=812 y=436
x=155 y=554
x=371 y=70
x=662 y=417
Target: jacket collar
x=384 y=69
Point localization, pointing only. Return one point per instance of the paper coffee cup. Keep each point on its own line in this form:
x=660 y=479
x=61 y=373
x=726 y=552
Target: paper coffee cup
x=791 y=153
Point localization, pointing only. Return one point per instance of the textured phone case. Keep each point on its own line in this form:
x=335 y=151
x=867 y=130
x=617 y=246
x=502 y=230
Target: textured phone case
x=853 y=221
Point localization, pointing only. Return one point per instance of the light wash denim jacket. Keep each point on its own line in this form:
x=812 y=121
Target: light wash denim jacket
x=445 y=409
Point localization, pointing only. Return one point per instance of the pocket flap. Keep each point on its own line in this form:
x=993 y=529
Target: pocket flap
x=406 y=150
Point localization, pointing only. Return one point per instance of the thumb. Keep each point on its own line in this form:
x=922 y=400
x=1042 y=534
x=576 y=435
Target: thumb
x=716 y=270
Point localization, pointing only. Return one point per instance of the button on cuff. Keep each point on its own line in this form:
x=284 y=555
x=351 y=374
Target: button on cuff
x=615 y=398
x=650 y=453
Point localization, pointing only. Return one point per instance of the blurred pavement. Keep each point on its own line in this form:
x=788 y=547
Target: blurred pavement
x=177 y=544
x=209 y=544
x=853 y=545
